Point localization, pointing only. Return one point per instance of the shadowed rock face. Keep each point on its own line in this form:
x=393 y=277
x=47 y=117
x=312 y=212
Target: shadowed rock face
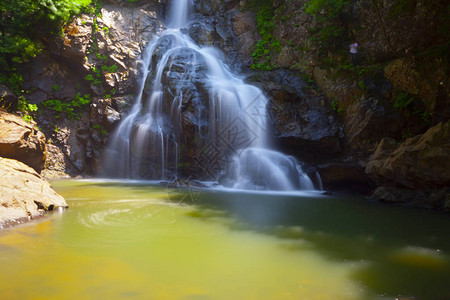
x=415 y=172
x=419 y=162
x=21 y=141
x=24 y=194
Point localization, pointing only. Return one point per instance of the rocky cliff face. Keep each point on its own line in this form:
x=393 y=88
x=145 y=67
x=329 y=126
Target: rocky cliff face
x=84 y=81
x=323 y=110
x=399 y=89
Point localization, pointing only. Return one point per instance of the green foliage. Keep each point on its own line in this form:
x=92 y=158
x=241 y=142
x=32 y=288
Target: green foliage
x=21 y=23
x=99 y=128
x=93 y=80
x=426 y=117
x=412 y=106
x=110 y=69
x=26 y=108
x=71 y=109
x=362 y=85
x=403 y=100
x=334 y=104
x=267 y=43
x=102 y=57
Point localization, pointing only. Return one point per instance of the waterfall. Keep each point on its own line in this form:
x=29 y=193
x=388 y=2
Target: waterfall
x=193 y=115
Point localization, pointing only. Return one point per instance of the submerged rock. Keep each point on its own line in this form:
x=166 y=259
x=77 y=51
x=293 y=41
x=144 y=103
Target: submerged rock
x=427 y=198
x=24 y=194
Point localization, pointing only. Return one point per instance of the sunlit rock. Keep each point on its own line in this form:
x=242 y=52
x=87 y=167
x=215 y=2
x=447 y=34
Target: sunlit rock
x=24 y=194
x=21 y=141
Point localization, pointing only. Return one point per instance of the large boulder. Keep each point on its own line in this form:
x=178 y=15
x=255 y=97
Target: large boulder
x=21 y=141
x=419 y=162
x=24 y=194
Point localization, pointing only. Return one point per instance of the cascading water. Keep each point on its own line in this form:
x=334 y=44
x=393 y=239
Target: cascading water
x=192 y=116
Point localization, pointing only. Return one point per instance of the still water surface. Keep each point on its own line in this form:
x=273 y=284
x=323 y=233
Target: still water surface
x=124 y=240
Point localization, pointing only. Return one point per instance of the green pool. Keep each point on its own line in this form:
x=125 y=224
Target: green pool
x=134 y=240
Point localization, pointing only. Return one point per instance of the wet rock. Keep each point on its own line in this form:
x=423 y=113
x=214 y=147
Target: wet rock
x=185 y=74
x=395 y=195
x=24 y=194
x=122 y=104
x=8 y=100
x=426 y=198
x=419 y=162
x=203 y=34
x=21 y=141
x=244 y=27
x=303 y=123
x=207 y=7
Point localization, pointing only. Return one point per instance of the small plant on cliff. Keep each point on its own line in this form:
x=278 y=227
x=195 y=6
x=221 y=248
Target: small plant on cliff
x=412 y=106
x=403 y=100
x=26 y=108
x=71 y=109
x=267 y=44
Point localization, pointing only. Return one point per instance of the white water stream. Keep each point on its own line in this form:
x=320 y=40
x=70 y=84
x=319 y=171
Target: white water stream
x=186 y=87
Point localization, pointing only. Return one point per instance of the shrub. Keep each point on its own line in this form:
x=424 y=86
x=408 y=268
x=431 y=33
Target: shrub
x=22 y=23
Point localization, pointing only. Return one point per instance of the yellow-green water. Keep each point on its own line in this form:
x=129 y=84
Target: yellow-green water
x=135 y=241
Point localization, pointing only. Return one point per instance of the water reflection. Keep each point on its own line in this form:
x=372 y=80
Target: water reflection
x=402 y=251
